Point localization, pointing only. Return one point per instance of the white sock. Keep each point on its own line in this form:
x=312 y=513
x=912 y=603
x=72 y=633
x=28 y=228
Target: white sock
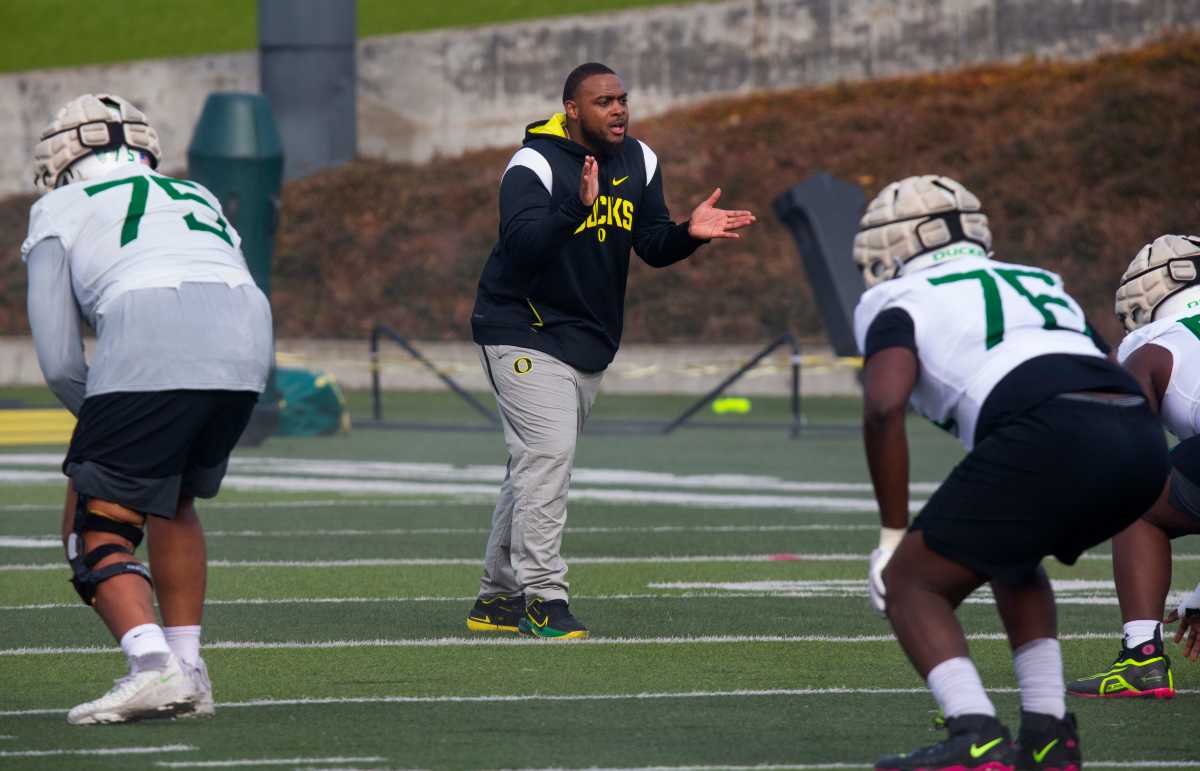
x=959 y=691
x=1039 y=669
x=1141 y=631
x=184 y=642
x=144 y=640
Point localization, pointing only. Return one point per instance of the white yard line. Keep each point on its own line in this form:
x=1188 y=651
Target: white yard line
x=818 y=766
x=570 y=530
x=95 y=750
x=517 y=697
x=515 y=641
x=263 y=762
x=487 y=493
x=1069 y=591
x=341 y=503
x=494 y=474
x=763 y=767
x=1107 y=601
x=452 y=561
x=565 y=697
x=599 y=560
x=471 y=598
x=45 y=542
x=19 y=542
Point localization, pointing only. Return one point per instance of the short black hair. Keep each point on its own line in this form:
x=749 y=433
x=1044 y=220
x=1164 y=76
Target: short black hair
x=582 y=73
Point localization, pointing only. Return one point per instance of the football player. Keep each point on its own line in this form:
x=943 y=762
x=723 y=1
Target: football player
x=183 y=345
x=1063 y=450
x=1159 y=304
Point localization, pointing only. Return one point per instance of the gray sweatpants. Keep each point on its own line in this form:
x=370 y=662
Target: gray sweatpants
x=543 y=405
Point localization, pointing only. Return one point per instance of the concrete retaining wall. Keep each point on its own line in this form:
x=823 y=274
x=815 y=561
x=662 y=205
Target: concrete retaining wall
x=687 y=369
x=449 y=91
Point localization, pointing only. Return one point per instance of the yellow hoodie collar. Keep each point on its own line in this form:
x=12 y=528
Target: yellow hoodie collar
x=556 y=126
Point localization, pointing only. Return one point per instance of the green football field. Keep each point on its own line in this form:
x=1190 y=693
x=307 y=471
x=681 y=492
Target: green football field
x=720 y=570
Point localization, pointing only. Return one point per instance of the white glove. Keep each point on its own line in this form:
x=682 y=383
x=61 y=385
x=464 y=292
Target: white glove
x=889 y=539
x=875 y=587
x=1190 y=602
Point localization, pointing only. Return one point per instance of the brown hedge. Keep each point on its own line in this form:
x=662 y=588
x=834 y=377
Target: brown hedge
x=1078 y=165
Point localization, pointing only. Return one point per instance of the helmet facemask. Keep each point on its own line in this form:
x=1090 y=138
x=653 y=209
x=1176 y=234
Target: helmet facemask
x=1162 y=280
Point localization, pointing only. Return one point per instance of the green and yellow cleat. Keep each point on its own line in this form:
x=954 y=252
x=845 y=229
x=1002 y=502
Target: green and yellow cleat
x=1143 y=672
x=500 y=613
x=551 y=619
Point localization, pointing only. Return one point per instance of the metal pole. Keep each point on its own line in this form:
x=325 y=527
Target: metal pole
x=453 y=386
x=797 y=418
x=376 y=388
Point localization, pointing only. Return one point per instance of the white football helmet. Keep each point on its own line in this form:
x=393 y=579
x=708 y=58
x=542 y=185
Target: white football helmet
x=916 y=223
x=89 y=126
x=1164 y=278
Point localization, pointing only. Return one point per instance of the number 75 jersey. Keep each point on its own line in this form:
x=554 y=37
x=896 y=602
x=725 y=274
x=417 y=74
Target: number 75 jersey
x=975 y=320
x=137 y=229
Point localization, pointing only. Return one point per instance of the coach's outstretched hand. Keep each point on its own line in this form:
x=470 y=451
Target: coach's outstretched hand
x=707 y=221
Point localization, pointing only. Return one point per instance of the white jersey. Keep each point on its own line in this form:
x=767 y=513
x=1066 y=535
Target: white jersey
x=156 y=270
x=975 y=320
x=137 y=229
x=1179 y=334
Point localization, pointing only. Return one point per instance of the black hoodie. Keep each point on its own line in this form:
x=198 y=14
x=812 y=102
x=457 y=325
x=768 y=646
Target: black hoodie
x=555 y=281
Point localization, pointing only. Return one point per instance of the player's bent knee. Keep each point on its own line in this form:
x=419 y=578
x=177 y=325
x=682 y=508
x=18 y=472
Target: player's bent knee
x=97 y=516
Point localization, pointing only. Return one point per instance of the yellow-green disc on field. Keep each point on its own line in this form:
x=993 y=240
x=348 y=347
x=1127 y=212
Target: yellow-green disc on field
x=731 y=405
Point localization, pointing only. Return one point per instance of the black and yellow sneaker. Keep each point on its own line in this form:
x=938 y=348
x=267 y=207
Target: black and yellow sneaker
x=1141 y=672
x=976 y=743
x=1046 y=743
x=496 y=614
x=552 y=619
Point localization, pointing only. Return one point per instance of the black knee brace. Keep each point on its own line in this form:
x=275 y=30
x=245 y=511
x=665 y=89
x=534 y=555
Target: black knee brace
x=85 y=579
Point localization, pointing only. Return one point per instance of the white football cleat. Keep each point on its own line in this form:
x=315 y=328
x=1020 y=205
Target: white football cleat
x=143 y=695
x=203 y=690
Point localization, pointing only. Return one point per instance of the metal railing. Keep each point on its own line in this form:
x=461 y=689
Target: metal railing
x=384 y=331
x=796 y=425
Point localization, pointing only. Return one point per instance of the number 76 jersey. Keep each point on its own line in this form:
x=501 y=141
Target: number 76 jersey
x=975 y=320
x=137 y=229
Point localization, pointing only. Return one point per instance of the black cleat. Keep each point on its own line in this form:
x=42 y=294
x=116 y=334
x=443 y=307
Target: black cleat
x=1046 y=743
x=976 y=743
x=1141 y=672
x=551 y=618
x=496 y=614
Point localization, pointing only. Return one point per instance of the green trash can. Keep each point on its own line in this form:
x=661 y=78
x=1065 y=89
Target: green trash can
x=236 y=153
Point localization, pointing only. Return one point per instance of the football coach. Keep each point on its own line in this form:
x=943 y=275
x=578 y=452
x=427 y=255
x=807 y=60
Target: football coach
x=577 y=196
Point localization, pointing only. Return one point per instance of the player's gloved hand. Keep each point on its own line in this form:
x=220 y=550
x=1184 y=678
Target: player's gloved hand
x=889 y=539
x=1188 y=616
